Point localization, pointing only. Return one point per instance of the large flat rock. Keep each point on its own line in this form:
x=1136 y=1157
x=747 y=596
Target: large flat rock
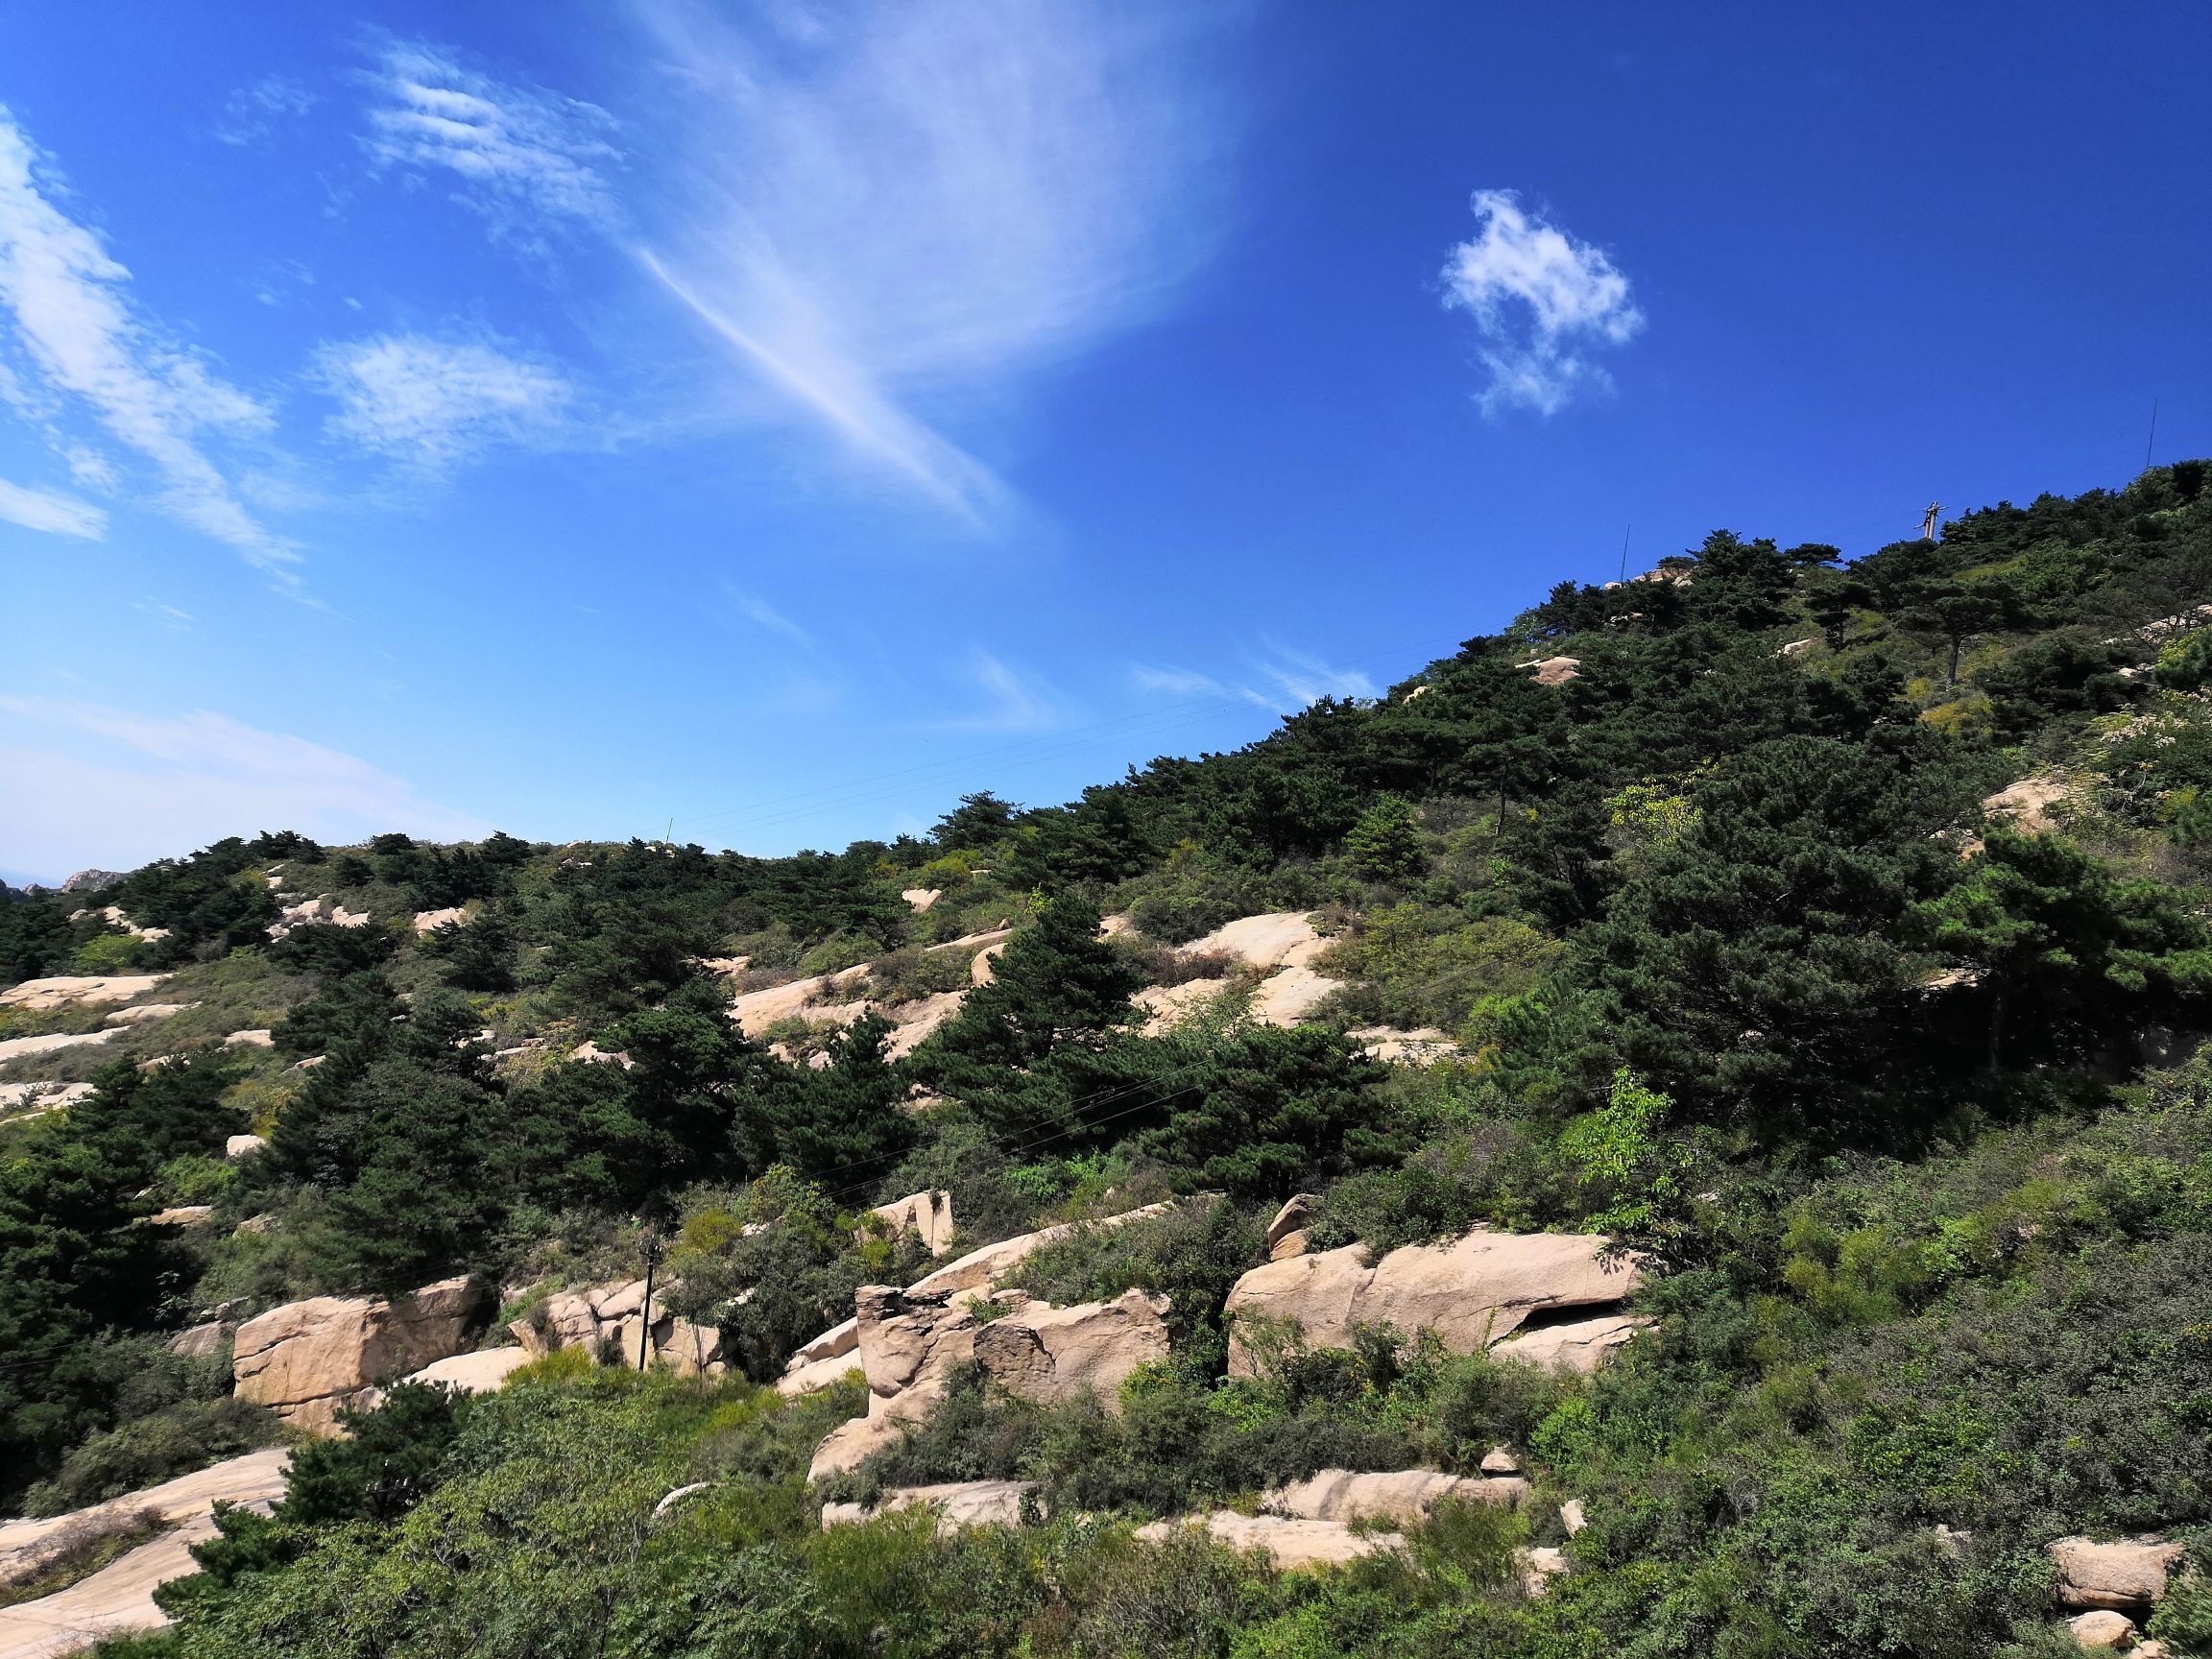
x=1473 y=1292
x=120 y=1596
x=1291 y=1544
x=308 y=1360
x=77 y=991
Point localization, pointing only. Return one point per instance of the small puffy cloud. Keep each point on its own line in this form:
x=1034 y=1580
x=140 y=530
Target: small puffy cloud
x=55 y=514
x=69 y=312
x=1541 y=301
x=525 y=159
x=432 y=403
x=110 y=787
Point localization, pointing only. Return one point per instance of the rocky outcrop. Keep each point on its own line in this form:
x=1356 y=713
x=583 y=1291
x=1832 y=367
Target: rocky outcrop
x=2125 y=1575
x=77 y=991
x=35 y=1098
x=1473 y=1292
x=1423 y=1046
x=608 y=1323
x=201 y=1341
x=986 y=1266
x=1287 y=1233
x=243 y=1146
x=1536 y=1568
x=480 y=1373
x=1058 y=1353
x=1554 y=670
x=2027 y=805
x=1291 y=1545
x=1279 y=946
x=21 y=1047
x=909 y=1344
x=148 y=1012
x=308 y=1360
x=323 y=910
x=1405 y=1496
x=927 y=1213
x=958 y=1504
x=1576 y=1345
x=2103 y=1630
x=430 y=921
x=120 y=1596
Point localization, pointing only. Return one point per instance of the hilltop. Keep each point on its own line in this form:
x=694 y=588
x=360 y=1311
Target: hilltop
x=1709 y=1075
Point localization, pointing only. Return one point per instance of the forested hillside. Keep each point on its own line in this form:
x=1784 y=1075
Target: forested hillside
x=1833 y=937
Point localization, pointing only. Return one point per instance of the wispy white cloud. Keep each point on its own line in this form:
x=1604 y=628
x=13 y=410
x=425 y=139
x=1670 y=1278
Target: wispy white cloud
x=892 y=212
x=1016 y=701
x=1275 y=678
x=1541 y=301
x=529 y=161
x=72 y=319
x=103 y=786
x=252 y=113
x=763 y=615
x=433 y=403
x=55 y=514
x=1178 y=682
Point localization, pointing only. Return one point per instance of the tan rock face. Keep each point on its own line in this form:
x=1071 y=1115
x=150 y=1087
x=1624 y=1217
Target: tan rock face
x=1407 y=1496
x=1473 y=1292
x=958 y=1504
x=2103 y=1629
x=907 y=1346
x=120 y=1596
x=1058 y=1353
x=201 y=1341
x=2126 y=1575
x=2028 y=804
x=308 y=1360
x=608 y=1320
x=1580 y=1345
x=1537 y=1568
x=928 y=1213
x=1291 y=1545
x=912 y=1343
x=1298 y=1212
x=981 y=1268
x=77 y=991
x=20 y=1047
x=483 y=1373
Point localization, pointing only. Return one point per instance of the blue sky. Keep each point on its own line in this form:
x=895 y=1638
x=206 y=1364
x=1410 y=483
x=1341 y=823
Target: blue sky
x=778 y=418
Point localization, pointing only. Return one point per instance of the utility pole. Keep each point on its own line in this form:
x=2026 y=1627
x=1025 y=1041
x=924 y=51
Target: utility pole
x=1624 y=535
x=2154 y=437
x=645 y=1312
x=1929 y=523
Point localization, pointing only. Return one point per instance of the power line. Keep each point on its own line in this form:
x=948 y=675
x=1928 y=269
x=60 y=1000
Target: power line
x=2154 y=437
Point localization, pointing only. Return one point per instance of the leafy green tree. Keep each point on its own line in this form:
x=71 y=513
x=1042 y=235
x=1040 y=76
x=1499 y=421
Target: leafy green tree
x=1386 y=844
x=2068 y=950
x=387 y=1461
x=1264 y=1112
x=1755 y=963
x=479 y=955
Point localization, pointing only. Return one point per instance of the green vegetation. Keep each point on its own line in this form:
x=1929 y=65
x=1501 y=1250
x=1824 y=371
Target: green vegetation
x=1906 y=1102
